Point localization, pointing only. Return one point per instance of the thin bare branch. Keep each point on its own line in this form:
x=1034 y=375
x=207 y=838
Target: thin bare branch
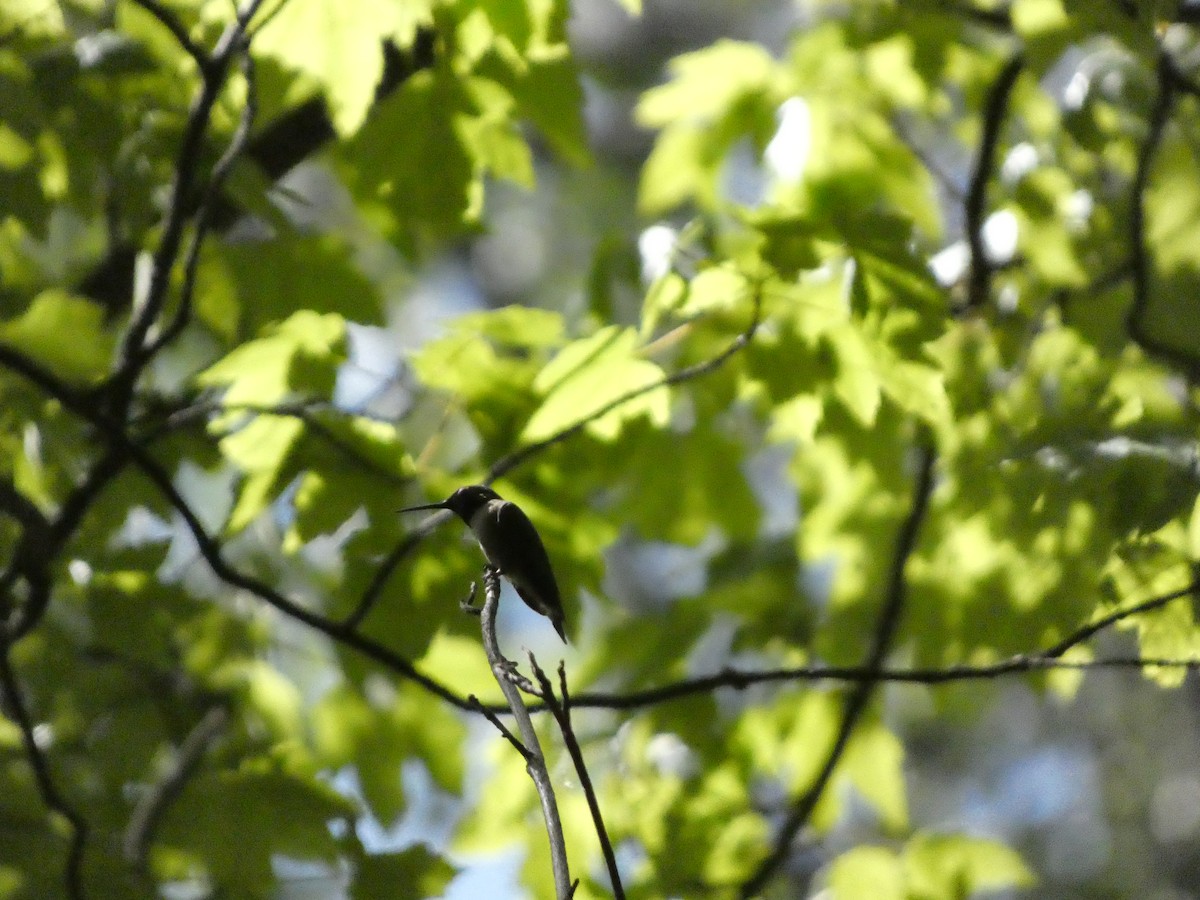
x=740 y=679
x=134 y=353
x=500 y=726
x=383 y=572
x=860 y=693
x=561 y=710
x=1089 y=630
x=1169 y=81
x=13 y=702
x=204 y=213
x=148 y=813
x=209 y=546
x=506 y=464
x=171 y=22
x=979 y=281
x=1023 y=663
x=535 y=759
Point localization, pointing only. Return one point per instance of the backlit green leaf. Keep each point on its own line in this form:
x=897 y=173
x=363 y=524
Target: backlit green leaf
x=340 y=47
x=300 y=355
x=950 y=866
x=867 y=873
x=588 y=375
x=41 y=333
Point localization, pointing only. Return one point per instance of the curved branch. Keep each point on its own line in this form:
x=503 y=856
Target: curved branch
x=134 y=354
x=1043 y=660
x=561 y=710
x=1169 y=81
x=1087 y=631
x=204 y=213
x=30 y=561
x=383 y=572
x=340 y=632
x=42 y=542
x=535 y=759
x=13 y=703
x=979 y=281
x=209 y=547
x=856 y=701
x=295 y=136
x=507 y=463
x=143 y=822
x=171 y=22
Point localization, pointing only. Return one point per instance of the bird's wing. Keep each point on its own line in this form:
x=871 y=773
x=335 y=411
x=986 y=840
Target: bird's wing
x=524 y=551
x=523 y=554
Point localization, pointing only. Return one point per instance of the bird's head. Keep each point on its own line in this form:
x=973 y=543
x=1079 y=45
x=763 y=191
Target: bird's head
x=467 y=499
x=463 y=502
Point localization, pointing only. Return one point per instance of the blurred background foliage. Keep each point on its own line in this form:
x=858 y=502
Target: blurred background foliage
x=698 y=285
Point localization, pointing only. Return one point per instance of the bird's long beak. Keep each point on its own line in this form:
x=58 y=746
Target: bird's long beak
x=441 y=505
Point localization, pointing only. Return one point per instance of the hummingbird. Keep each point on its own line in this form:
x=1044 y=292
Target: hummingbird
x=511 y=544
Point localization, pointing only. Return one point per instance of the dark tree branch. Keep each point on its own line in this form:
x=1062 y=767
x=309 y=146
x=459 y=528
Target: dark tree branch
x=208 y=546
x=30 y=561
x=307 y=411
x=381 y=575
x=860 y=693
x=979 y=281
x=500 y=726
x=37 y=550
x=740 y=679
x=1169 y=81
x=13 y=702
x=506 y=464
x=150 y=808
x=80 y=500
x=1088 y=631
x=561 y=710
x=535 y=759
x=171 y=22
x=1043 y=660
x=292 y=138
x=216 y=182
x=134 y=354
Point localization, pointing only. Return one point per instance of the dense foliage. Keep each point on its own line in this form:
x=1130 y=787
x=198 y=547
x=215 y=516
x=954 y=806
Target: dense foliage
x=884 y=392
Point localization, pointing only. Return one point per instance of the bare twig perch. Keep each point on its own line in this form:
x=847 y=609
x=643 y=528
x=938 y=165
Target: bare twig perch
x=561 y=709
x=535 y=760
